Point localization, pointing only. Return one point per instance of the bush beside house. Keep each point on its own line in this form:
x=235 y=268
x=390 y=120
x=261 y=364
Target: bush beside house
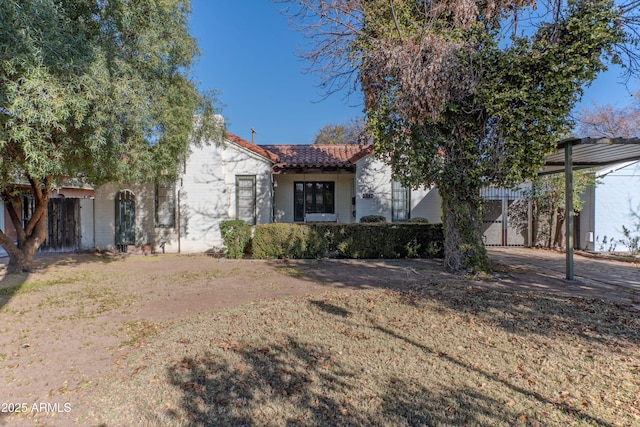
x=237 y=237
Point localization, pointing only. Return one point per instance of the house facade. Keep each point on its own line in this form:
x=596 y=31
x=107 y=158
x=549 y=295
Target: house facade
x=235 y=179
x=222 y=180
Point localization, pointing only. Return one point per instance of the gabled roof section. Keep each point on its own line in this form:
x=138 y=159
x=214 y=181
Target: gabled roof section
x=318 y=156
x=251 y=147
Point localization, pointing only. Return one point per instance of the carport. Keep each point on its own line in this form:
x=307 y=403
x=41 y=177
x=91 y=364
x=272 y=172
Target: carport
x=584 y=153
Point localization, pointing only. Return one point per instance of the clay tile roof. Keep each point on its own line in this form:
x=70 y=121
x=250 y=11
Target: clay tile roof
x=317 y=155
x=252 y=147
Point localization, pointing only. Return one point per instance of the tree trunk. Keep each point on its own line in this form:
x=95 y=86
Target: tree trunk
x=558 y=241
x=21 y=256
x=463 y=244
x=31 y=236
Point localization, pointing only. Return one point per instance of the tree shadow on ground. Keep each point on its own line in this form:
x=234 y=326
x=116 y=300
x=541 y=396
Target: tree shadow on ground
x=302 y=384
x=528 y=313
x=523 y=309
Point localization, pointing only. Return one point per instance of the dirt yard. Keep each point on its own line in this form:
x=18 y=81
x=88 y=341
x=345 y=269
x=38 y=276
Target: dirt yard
x=75 y=320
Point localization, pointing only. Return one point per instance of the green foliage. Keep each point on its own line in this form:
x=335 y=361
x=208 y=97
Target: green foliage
x=288 y=241
x=547 y=197
x=236 y=235
x=485 y=110
x=96 y=91
x=418 y=220
x=347 y=240
x=373 y=218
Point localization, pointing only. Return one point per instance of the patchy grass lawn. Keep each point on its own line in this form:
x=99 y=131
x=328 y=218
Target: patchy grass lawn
x=152 y=341
x=436 y=355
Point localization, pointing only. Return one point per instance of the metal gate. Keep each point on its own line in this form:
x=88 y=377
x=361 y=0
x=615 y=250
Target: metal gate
x=125 y=220
x=497 y=226
x=63 y=225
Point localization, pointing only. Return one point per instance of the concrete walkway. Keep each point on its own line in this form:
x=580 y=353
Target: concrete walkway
x=538 y=269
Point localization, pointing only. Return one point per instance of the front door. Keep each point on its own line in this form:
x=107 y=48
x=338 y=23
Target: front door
x=125 y=219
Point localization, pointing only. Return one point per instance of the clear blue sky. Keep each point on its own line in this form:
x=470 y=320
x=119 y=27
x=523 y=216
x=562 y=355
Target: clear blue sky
x=249 y=54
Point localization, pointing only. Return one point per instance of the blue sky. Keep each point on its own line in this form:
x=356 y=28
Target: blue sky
x=249 y=54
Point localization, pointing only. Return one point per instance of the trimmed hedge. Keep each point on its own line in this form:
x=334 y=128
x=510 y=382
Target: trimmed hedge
x=236 y=235
x=368 y=240
x=373 y=218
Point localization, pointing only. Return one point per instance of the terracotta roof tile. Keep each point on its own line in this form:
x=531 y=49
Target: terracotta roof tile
x=317 y=155
x=252 y=147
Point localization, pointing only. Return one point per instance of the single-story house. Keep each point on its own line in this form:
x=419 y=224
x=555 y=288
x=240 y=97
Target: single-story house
x=236 y=179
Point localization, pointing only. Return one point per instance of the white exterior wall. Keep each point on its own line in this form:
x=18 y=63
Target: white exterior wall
x=374 y=195
x=208 y=193
x=87 y=224
x=105 y=213
x=284 y=192
x=426 y=203
x=617 y=203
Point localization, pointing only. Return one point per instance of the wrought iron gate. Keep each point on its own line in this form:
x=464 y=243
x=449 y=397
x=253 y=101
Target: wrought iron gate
x=125 y=220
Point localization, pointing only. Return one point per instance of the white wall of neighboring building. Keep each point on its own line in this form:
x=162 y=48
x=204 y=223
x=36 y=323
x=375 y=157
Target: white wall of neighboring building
x=207 y=193
x=617 y=204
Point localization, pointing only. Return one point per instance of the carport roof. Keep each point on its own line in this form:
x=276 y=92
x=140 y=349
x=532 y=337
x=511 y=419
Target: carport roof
x=593 y=153
x=582 y=153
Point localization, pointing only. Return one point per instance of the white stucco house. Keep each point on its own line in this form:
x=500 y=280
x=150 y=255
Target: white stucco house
x=236 y=179
x=613 y=203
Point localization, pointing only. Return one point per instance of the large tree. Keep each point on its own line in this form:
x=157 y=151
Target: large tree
x=351 y=132
x=95 y=90
x=464 y=94
x=610 y=121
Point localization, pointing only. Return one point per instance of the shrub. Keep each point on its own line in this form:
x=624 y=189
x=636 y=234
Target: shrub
x=287 y=241
x=418 y=220
x=381 y=240
x=236 y=235
x=373 y=218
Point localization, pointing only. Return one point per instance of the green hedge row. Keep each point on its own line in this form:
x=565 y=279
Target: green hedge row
x=364 y=240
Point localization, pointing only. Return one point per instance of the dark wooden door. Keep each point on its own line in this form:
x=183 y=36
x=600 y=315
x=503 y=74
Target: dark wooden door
x=63 y=225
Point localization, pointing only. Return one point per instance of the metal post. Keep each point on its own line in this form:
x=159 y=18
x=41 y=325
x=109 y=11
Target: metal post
x=568 y=177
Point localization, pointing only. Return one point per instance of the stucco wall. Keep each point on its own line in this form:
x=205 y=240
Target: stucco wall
x=617 y=203
x=104 y=206
x=208 y=193
x=374 y=194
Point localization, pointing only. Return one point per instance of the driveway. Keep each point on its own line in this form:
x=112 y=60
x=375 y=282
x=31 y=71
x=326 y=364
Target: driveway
x=537 y=269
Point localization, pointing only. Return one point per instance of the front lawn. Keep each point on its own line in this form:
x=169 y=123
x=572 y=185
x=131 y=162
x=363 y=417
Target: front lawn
x=193 y=341
x=437 y=355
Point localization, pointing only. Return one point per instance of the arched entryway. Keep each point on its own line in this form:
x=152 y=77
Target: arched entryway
x=125 y=205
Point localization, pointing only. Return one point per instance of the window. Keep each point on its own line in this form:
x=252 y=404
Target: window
x=400 y=202
x=246 y=199
x=165 y=205
x=313 y=197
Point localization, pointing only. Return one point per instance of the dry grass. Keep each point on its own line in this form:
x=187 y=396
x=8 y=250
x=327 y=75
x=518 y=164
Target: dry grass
x=436 y=355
